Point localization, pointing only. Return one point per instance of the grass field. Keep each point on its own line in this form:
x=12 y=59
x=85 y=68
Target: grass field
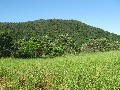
x=97 y=71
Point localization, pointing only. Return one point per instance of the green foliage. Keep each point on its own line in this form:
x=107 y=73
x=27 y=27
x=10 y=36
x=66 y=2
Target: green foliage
x=24 y=48
x=67 y=43
x=54 y=37
x=43 y=46
x=6 y=43
x=78 y=31
x=99 y=71
x=37 y=47
x=94 y=45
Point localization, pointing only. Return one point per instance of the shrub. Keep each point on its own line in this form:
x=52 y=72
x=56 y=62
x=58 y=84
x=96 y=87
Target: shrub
x=94 y=45
x=37 y=47
x=6 y=43
x=67 y=43
x=25 y=49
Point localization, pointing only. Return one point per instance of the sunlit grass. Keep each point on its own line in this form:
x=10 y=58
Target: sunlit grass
x=97 y=71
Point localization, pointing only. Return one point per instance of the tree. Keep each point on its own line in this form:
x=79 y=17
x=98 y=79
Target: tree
x=6 y=43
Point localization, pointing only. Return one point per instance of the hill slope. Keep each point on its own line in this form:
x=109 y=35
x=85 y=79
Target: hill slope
x=79 y=31
x=53 y=37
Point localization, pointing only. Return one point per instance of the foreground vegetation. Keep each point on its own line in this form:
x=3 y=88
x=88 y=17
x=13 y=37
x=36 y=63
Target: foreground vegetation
x=92 y=71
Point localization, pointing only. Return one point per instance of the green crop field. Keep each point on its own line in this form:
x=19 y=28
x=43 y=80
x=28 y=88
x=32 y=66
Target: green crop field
x=92 y=71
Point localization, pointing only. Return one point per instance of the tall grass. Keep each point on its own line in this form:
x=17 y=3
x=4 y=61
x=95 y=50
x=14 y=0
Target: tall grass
x=97 y=71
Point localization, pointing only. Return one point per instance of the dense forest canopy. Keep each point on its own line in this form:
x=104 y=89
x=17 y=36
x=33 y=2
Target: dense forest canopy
x=70 y=34
x=54 y=27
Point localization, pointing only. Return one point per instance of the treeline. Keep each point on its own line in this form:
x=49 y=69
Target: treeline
x=45 y=46
x=53 y=37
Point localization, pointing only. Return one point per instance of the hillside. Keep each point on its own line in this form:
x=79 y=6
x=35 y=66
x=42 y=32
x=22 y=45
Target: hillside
x=79 y=31
x=53 y=37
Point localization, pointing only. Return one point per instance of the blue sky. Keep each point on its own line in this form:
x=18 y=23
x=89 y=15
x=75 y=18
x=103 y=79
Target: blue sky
x=104 y=14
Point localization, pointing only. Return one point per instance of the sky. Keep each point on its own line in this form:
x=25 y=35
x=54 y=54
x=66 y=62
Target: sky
x=104 y=14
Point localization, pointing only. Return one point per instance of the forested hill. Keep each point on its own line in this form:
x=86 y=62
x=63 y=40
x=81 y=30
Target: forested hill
x=80 y=32
x=53 y=37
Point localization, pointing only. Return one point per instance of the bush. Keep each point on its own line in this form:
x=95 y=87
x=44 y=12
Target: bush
x=37 y=47
x=6 y=43
x=67 y=43
x=25 y=49
x=94 y=45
